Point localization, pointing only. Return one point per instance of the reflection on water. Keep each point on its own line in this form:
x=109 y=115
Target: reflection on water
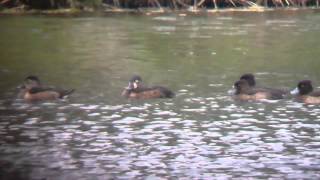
x=200 y=134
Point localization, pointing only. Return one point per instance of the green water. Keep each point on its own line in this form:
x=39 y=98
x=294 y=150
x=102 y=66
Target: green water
x=200 y=134
x=166 y=50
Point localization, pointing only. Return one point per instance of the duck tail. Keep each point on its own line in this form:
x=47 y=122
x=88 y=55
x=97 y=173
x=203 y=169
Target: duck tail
x=66 y=93
x=168 y=93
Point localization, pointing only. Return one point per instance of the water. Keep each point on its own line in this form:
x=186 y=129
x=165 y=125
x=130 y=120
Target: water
x=200 y=134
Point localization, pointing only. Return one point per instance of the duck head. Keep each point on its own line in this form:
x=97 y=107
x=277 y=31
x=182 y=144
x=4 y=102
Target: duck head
x=249 y=78
x=134 y=83
x=304 y=87
x=30 y=82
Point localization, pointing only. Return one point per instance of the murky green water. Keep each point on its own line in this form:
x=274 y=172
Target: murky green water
x=200 y=134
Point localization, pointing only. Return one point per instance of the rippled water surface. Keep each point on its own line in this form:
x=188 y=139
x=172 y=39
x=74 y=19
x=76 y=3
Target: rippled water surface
x=200 y=134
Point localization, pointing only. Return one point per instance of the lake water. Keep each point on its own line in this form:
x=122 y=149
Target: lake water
x=200 y=134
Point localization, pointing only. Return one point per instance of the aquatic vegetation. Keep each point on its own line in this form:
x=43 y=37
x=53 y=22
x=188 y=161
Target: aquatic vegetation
x=191 y=5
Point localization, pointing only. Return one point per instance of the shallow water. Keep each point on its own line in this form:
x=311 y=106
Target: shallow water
x=201 y=134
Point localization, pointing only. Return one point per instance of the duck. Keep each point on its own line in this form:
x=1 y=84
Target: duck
x=243 y=91
x=304 y=93
x=250 y=78
x=136 y=90
x=32 y=90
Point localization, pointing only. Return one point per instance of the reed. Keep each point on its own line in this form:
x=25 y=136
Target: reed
x=192 y=5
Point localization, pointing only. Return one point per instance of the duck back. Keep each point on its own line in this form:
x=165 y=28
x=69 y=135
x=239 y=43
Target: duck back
x=39 y=93
x=149 y=93
x=309 y=99
x=165 y=92
x=39 y=96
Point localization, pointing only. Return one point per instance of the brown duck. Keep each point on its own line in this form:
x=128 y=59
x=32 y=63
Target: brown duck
x=32 y=90
x=136 y=90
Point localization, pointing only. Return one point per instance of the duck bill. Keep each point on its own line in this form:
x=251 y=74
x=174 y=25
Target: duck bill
x=295 y=91
x=133 y=85
x=130 y=86
x=232 y=91
x=21 y=86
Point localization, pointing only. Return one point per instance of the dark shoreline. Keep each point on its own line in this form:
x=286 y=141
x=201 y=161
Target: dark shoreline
x=152 y=11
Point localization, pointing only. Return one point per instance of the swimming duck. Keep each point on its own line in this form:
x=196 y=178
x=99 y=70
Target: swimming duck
x=252 y=83
x=243 y=91
x=32 y=90
x=136 y=90
x=304 y=93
